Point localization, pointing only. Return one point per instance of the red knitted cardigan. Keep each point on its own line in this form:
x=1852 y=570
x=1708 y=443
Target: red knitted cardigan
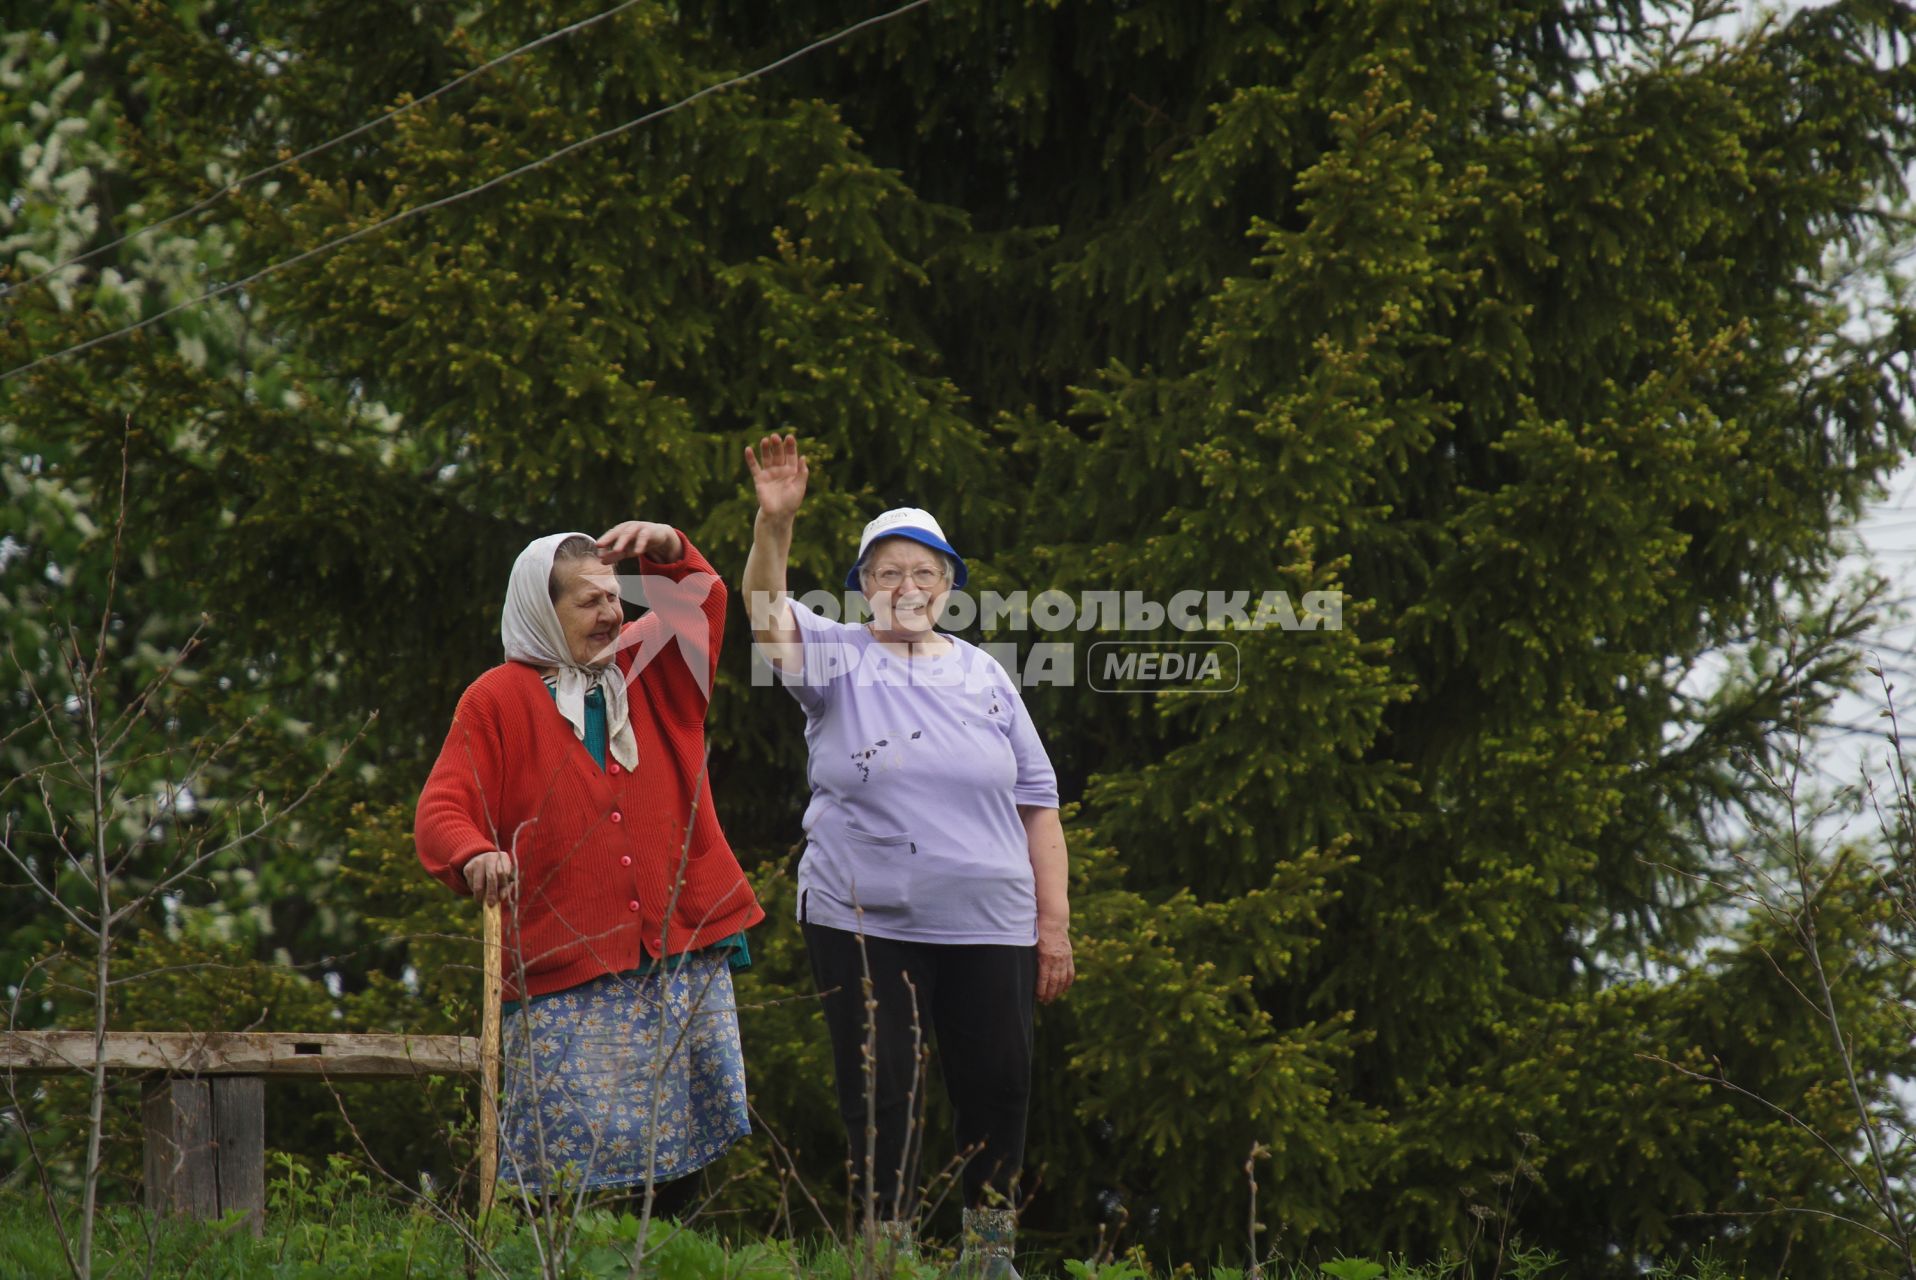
x=605 y=871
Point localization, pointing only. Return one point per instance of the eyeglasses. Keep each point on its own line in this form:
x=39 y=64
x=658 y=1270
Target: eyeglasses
x=924 y=577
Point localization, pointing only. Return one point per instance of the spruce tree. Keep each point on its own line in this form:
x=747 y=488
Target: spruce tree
x=1511 y=323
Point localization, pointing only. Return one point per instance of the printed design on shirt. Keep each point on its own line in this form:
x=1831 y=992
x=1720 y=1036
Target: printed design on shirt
x=882 y=755
x=996 y=708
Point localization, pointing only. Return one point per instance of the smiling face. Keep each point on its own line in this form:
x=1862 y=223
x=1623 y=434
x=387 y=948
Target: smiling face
x=586 y=598
x=907 y=583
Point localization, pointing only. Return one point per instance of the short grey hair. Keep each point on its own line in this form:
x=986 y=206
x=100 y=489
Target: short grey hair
x=574 y=549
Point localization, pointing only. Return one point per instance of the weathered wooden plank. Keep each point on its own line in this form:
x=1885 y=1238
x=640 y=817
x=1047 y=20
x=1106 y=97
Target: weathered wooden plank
x=180 y=1152
x=156 y=1120
x=269 y=1053
x=239 y=1136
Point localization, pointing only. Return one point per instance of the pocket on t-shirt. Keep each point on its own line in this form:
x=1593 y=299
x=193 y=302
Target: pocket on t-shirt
x=880 y=867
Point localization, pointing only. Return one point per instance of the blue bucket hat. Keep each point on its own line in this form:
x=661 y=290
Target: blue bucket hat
x=906 y=522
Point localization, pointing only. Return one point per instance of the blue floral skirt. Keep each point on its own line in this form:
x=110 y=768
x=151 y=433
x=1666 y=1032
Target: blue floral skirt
x=623 y=1076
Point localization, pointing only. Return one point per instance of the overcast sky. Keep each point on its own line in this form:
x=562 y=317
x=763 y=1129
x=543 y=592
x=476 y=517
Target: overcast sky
x=1883 y=541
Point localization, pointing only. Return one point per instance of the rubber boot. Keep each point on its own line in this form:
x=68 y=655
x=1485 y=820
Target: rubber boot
x=990 y=1235
x=895 y=1240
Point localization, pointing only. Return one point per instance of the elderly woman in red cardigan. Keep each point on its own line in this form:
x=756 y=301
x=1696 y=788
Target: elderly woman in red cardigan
x=572 y=787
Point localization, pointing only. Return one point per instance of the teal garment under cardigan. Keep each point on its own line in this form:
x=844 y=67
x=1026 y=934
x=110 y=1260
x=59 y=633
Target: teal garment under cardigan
x=595 y=742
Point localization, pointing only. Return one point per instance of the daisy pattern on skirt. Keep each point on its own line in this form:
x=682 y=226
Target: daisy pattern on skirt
x=586 y=1072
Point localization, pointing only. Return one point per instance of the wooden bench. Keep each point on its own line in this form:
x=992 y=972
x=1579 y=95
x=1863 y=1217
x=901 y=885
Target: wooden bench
x=205 y=1117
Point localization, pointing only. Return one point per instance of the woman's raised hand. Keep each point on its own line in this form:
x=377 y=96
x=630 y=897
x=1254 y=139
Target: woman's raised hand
x=659 y=542
x=779 y=472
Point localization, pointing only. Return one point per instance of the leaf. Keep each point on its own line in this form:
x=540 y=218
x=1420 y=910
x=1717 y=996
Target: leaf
x=1351 y=1269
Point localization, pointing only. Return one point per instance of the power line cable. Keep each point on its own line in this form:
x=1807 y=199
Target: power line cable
x=454 y=198
x=310 y=152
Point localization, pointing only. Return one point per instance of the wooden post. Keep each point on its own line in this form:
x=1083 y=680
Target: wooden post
x=489 y=1061
x=239 y=1135
x=180 y=1175
x=206 y=1147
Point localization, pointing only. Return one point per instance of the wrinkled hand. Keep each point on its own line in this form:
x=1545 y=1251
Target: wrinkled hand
x=660 y=542
x=1056 y=972
x=779 y=476
x=492 y=877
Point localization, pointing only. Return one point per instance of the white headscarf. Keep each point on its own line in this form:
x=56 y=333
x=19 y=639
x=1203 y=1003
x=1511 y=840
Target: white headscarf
x=529 y=627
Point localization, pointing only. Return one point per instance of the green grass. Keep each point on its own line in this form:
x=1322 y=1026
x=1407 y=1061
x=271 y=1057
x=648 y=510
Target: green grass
x=339 y=1232
x=368 y=1238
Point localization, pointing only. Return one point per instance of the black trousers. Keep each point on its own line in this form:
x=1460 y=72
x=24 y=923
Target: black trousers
x=669 y=1199
x=975 y=1003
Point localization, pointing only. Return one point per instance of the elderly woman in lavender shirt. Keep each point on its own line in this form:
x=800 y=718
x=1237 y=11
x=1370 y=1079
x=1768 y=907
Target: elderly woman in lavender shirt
x=933 y=854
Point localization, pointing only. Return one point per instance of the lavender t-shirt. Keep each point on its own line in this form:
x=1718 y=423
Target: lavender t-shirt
x=917 y=767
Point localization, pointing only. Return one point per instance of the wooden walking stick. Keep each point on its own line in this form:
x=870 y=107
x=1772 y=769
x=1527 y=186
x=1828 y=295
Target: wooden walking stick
x=489 y=1061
